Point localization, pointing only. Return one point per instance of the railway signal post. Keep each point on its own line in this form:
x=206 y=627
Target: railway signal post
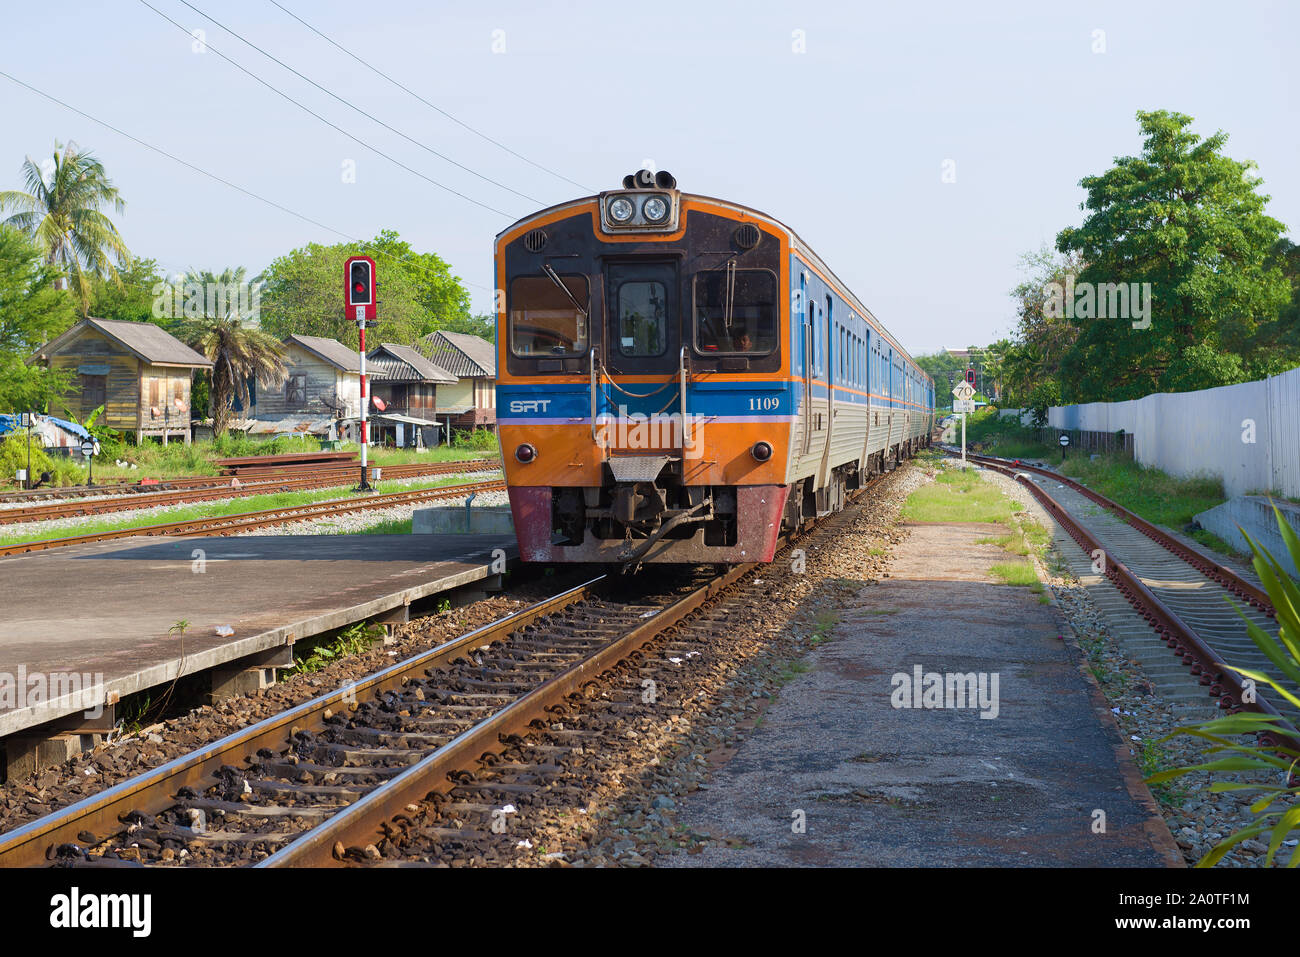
x=1064 y=441
x=359 y=303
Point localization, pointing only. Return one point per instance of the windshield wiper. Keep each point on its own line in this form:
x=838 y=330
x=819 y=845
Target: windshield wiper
x=554 y=277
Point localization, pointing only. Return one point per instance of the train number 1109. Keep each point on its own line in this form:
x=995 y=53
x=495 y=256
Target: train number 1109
x=764 y=404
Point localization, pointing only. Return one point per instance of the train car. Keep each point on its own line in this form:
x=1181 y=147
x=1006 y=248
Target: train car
x=681 y=377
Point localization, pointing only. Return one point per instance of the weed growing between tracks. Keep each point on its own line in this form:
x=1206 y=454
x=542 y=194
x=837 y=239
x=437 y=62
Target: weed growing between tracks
x=959 y=495
x=319 y=653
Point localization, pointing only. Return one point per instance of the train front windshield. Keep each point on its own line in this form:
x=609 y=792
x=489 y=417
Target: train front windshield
x=735 y=311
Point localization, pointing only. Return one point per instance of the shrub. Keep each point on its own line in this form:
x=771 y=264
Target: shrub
x=478 y=440
x=13 y=456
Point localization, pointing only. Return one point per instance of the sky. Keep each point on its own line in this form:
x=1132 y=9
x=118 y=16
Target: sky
x=921 y=149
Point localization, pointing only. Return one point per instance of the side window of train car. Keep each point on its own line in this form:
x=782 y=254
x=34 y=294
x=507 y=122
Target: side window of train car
x=546 y=320
x=735 y=312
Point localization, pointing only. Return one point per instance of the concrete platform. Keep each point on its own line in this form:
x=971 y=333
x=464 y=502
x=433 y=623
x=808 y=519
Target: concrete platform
x=71 y=615
x=873 y=779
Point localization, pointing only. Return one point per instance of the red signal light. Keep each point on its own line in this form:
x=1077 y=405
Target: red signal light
x=359 y=284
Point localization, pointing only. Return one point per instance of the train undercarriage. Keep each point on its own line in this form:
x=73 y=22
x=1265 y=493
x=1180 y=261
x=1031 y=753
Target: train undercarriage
x=645 y=513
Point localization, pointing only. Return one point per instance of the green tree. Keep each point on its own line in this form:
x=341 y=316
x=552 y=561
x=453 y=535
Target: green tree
x=1188 y=220
x=937 y=365
x=1031 y=363
x=417 y=293
x=240 y=352
x=61 y=212
x=33 y=310
x=131 y=297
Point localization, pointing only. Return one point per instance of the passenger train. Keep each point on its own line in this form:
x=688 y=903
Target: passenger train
x=680 y=378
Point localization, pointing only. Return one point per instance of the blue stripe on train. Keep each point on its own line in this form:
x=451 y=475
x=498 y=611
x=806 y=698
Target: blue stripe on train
x=776 y=398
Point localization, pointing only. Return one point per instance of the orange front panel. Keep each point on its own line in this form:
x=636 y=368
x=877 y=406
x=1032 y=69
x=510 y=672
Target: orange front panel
x=567 y=456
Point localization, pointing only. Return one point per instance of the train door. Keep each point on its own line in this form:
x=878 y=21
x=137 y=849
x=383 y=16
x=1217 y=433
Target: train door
x=642 y=336
x=806 y=357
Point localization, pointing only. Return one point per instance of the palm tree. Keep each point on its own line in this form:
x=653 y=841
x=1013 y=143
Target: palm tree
x=240 y=353
x=61 y=212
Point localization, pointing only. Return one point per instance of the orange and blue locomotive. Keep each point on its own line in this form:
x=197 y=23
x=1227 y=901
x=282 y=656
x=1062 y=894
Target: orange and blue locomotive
x=680 y=377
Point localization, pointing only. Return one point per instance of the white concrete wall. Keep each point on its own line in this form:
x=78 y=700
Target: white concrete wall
x=1209 y=432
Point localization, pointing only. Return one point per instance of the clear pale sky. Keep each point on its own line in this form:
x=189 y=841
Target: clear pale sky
x=846 y=142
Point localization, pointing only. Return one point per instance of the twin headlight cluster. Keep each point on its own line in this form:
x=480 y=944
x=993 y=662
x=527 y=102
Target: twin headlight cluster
x=640 y=210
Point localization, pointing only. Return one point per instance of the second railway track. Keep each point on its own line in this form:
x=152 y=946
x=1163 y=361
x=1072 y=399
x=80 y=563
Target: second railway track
x=217 y=488
x=247 y=521
x=1185 y=597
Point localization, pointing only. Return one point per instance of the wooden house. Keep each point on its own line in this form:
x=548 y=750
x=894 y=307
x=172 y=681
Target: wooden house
x=324 y=382
x=140 y=373
x=471 y=403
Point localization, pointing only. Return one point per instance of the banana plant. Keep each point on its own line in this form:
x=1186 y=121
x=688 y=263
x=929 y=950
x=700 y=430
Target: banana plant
x=1277 y=810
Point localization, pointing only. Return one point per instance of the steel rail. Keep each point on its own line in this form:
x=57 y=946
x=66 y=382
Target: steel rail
x=155 y=790
x=257 y=519
x=174 y=483
x=1206 y=566
x=163 y=497
x=361 y=822
x=103 y=814
x=1213 y=672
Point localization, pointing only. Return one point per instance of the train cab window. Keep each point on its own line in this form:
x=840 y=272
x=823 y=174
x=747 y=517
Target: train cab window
x=735 y=311
x=547 y=321
x=642 y=318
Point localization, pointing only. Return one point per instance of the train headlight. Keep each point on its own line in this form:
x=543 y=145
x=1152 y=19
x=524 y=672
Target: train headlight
x=655 y=209
x=525 y=453
x=761 y=451
x=621 y=209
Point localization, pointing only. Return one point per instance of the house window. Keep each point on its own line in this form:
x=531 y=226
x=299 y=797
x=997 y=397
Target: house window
x=295 y=390
x=93 y=391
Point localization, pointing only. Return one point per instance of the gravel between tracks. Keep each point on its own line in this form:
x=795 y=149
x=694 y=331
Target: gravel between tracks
x=352 y=523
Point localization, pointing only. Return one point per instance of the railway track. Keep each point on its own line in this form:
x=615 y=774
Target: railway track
x=349 y=776
x=245 y=521
x=1184 y=596
x=222 y=489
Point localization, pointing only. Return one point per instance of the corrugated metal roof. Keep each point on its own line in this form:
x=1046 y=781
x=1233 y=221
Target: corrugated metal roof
x=417 y=367
x=408 y=419
x=463 y=355
x=331 y=350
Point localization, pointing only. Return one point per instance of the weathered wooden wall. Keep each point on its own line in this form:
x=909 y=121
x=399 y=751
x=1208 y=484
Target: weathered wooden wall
x=325 y=385
x=91 y=350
